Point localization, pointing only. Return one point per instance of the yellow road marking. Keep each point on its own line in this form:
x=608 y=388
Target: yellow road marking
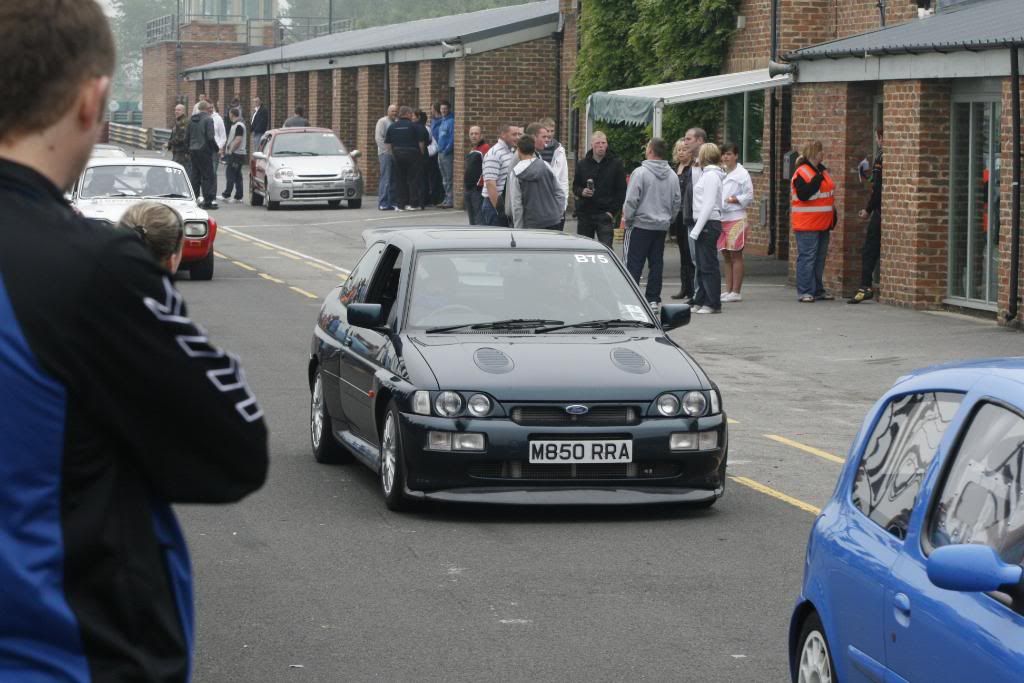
x=291 y=256
x=219 y=255
x=733 y=422
x=303 y=292
x=271 y=278
x=319 y=267
x=244 y=265
x=778 y=495
x=263 y=246
x=805 y=448
x=342 y=276
x=238 y=237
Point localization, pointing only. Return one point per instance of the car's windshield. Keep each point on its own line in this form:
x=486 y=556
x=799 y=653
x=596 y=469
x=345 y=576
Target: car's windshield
x=307 y=144
x=134 y=181
x=474 y=287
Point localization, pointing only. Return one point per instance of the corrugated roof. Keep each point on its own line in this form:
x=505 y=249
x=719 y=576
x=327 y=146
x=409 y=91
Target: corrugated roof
x=979 y=26
x=396 y=36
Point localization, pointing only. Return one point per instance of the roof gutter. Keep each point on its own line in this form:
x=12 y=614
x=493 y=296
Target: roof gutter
x=909 y=50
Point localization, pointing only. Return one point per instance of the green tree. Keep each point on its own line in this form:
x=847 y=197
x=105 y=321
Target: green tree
x=129 y=26
x=627 y=43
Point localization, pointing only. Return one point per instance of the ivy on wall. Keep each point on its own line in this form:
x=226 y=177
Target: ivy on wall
x=627 y=43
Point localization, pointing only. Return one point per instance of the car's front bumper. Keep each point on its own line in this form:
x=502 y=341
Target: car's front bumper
x=502 y=472
x=196 y=249
x=301 y=192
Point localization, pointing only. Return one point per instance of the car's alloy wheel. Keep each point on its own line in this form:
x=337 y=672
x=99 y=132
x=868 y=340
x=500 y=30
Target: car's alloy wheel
x=815 y=663
x=325 y=449
x=392 y=467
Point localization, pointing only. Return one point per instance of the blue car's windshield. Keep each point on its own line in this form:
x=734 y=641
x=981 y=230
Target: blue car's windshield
x=475 y=287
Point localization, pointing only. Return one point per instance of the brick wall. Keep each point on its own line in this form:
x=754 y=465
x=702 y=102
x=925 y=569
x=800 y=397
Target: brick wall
x=321 y=89
x=1005 y=210
x=433 y=83
x=345 y=108
x=915 y=203
x=279 y=100
x=402 y=85
x=371 y=105
x=213 y=33
x=570 y=33
x=498 y=87
x=750 y=45
x=160 y=83
x=858 y=16
x=298 y=91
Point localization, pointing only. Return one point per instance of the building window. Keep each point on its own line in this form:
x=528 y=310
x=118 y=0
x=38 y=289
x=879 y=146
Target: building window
x=744 y=125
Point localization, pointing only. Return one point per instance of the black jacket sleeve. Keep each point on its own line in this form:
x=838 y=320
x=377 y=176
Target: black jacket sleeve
x=805 y=190
x=181 y=406
x=579 y=183
x=875 y=201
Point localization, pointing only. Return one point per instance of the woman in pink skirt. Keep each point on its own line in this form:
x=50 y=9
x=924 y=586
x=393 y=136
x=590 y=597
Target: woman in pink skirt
x=737 y=195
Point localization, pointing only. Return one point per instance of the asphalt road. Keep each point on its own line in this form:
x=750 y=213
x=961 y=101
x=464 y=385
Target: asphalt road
x=312 y=579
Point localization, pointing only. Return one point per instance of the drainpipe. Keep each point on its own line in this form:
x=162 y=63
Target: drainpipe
x=387 y=78
x=559 y=46
x=1015 y=188
x=773 y=138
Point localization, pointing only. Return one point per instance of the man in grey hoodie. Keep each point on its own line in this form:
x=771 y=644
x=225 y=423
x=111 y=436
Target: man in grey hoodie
x=533 y=196
x=652 y=201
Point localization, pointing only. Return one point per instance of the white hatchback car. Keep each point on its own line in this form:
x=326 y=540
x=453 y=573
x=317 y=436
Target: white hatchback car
x=109 y=185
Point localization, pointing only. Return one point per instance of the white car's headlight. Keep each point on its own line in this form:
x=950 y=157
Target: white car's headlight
x=694 y=403
x=448 y=404
x=195 y=228
x=668 y=405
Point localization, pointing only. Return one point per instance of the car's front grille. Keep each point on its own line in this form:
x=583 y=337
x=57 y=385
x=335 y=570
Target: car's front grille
x=299 y=193
x=314 y=176
x=556 y=416
x=514 y=469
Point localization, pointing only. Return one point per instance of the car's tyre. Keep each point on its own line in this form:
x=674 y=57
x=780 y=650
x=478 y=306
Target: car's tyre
x=326 y=449
x=355 y=203
x=333 y=203
x=814 y=656
x=392 y=462
x=202 y=270
x=255 y=198
x=273 y=206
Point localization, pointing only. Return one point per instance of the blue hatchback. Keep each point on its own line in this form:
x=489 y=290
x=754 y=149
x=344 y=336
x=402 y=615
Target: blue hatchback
x=913 y=569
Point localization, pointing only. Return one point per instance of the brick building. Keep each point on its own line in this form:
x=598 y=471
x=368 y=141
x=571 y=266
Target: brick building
x=494 y=66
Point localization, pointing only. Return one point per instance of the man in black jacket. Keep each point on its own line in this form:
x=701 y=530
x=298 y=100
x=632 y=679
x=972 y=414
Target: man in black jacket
x=472 y=178
x=600 y=188
x=260 y=122
x=873 y=237
x=114 y=405
x=177 y=143
x=202 y=150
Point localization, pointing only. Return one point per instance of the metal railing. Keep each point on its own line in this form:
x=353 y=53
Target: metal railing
x=160 y=137
x=131 y=136
x=285 y=30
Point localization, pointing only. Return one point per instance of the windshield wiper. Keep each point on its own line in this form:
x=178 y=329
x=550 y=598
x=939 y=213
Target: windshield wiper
x=509 y=324
x=170 y=195
x=295 y=154
x=114 y=194
x=599 y=324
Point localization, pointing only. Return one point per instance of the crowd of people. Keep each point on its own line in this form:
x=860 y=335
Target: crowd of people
x=416 y=158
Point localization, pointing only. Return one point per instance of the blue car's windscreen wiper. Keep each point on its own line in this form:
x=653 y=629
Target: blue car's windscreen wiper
x=509 y=324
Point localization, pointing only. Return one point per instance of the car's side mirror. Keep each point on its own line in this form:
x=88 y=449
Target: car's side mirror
x=355 y=154
x=259 y=155
x=370 y=316
x=674 y=315
x=971 y=568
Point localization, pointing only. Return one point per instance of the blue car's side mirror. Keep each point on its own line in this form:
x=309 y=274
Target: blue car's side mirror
x=368 y=316
x=971 y=568
x=674 y=315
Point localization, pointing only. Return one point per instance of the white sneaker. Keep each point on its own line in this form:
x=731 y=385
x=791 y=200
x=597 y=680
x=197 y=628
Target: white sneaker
x=655 y=307
x=732 y=297
x=704 y=309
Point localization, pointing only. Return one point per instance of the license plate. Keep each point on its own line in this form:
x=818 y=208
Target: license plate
x=582 y=452
x=318 y=186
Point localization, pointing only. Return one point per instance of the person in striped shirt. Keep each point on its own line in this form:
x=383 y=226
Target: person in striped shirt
x=497 y=165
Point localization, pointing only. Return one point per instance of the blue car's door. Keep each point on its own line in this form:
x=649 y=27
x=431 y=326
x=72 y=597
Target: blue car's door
x=872 y=528
x=934 y=634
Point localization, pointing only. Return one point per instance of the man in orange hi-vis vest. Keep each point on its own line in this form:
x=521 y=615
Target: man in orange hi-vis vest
x=812 y=213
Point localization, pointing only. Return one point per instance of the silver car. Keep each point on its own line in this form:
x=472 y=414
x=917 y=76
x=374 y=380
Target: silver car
x=303 y=165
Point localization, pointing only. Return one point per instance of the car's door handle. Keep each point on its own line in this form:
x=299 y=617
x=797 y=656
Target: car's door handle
x=901 y=602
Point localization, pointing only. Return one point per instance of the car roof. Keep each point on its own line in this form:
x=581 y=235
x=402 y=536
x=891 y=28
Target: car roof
x=436 y=238
x=302 y=129
x=1008 y=367
x=132 y=161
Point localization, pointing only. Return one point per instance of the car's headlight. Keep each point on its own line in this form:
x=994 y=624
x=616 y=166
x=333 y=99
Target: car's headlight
x=448 y=404
x=421 y=402
x=284 y=174
x=694 y=403
x=479 y=405
x=668 y=405
x=195 y=228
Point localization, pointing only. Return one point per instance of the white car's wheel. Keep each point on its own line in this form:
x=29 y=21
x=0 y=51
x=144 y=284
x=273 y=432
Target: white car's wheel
x=815 y=660
x=325 y=449
x=392 y=464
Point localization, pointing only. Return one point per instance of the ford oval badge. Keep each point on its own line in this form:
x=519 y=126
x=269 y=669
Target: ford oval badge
x=577 y=409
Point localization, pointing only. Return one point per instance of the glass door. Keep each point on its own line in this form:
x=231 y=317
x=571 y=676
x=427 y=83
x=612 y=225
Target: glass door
x=974 y=203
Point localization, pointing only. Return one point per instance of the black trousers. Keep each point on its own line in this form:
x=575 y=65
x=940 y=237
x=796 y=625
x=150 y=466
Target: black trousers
x=872 y=250
x=408 y=176
x=202 y=175
x=646 y=245
x=709 y=275
x=473 y=200
x=233 y=175
x=687 y=271
x=596 y=226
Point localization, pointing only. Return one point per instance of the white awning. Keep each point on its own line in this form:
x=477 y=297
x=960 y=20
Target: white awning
x=642 y=105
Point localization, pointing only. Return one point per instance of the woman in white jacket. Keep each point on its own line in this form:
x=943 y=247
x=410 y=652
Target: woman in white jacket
x=707 y=211
x=737 y=195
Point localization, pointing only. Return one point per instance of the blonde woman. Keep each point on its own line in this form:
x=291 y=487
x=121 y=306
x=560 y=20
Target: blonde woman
x=684 y=219
x=737 y=195
x=161 y=229
x=707 y=212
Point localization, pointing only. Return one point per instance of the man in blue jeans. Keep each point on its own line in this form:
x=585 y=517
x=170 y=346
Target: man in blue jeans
x=444 y=134
x=385 y=198
x=652 y=201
